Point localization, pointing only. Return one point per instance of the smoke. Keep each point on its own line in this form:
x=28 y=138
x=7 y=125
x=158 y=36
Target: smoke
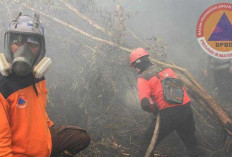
x=172 y=21
x=91 y=83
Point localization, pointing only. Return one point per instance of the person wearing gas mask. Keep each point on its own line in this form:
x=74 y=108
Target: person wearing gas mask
x=25 y=128
x=161 y=91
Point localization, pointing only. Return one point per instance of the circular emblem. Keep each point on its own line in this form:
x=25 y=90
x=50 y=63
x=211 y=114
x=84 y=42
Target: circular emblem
x=214 y=30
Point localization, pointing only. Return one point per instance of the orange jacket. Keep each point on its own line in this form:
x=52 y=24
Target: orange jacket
x=23 y=119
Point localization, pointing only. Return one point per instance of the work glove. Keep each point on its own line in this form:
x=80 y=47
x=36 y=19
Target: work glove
x=156 y=109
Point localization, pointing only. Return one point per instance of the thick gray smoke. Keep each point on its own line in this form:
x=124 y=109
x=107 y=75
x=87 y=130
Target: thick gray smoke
x=173 y=21
x=91 y=83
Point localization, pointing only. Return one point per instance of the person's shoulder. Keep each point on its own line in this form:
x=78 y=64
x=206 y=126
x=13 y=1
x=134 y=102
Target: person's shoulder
x=12 y=83
x=40 y=79
x=4 y=85
x=150 y=72
x=3 y=80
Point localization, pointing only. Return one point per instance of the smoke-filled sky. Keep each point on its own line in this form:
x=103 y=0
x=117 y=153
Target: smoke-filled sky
x=174 y=21
x=86 y=80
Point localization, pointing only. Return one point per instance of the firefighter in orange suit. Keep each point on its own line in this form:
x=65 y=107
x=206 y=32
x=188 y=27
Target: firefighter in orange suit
x=175 y=113
x=25 y=128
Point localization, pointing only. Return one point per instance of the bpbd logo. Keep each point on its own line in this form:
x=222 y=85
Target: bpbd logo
x=214 y=30
x=21 y=102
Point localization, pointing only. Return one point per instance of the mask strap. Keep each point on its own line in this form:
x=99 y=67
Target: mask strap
x=36 y=21
x=15 y=21
x=34 y=82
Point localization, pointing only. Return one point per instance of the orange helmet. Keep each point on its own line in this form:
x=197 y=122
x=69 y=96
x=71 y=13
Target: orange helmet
x=136 y=54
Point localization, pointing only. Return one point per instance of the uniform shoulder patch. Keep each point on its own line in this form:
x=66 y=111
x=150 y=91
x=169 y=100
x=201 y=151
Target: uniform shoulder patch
x=21 y=103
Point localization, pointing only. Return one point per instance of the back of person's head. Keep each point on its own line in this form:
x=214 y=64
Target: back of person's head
x=137 y=56
x=139 y=59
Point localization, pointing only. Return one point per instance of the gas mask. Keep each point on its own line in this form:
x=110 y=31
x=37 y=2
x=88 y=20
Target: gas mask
x=23 y=60
x=22 y=65
x=28 y=32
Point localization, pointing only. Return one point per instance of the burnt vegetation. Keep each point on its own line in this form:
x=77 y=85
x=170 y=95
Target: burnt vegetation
x=92 y=85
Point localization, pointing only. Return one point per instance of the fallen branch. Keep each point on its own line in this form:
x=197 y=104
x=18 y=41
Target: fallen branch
x=78 y=30
x=183 y=74
x=137 y=38
x=154 y=137
x=83 y=17
x=210 y=102
x=195 y=88
x=182 y=70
